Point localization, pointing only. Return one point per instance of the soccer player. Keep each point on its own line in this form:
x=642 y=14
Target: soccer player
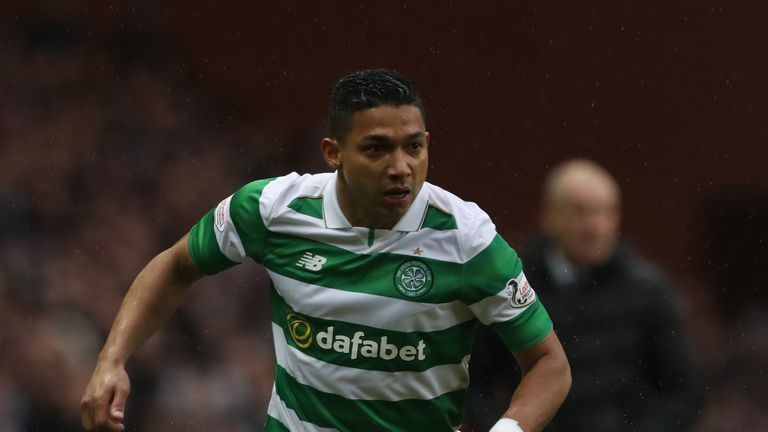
x=379 y=279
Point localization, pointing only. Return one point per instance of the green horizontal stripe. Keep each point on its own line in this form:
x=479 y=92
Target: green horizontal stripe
x=332 y=411
x=273 y=425
x=447 y=346
x=348 y=271
x=489 y=271
x=525 y=330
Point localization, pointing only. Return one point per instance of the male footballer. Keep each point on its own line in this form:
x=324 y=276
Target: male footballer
x=379 y=279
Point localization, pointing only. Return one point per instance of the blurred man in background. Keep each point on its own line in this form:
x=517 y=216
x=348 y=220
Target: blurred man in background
x=617 y=315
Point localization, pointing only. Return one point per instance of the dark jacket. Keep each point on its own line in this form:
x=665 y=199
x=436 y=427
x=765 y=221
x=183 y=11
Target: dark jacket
x=620 y=325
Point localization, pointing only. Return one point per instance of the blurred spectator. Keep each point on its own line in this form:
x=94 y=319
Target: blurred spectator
x=101 y=145
x=617 y=315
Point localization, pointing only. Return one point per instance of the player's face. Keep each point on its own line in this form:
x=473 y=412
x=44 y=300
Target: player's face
x=382 y=163
x=585 y=220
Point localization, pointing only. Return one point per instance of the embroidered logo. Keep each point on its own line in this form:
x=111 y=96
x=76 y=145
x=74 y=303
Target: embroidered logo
x=413 y=278
x=311 y=262
x=520 y=292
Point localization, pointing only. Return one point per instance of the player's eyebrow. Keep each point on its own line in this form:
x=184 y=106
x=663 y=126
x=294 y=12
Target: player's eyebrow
x=418 y=134
x=376 y=138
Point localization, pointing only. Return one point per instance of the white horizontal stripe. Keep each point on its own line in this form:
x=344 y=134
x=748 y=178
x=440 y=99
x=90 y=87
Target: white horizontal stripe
x=496 y=308
x=367 y=309
x=289 y=418
x=229 y=240
x=352 y=383
x=439 y=245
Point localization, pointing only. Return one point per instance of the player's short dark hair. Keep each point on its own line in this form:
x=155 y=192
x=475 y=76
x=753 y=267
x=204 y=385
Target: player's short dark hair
x=367 y=89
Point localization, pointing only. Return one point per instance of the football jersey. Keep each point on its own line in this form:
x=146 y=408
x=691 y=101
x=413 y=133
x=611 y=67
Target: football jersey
x=372 y=328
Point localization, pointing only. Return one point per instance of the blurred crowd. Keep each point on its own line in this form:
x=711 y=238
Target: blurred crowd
x=109 y=151
x=106 y=158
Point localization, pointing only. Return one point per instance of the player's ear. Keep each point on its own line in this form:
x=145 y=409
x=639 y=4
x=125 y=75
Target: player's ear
x=331 y=150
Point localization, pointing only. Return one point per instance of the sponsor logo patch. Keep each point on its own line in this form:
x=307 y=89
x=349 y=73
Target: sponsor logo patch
x=300 y=329
x=413 y=278
x=520 y=292
x=354 y=346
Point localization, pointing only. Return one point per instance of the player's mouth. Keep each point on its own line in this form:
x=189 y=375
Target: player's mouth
x=397 y=195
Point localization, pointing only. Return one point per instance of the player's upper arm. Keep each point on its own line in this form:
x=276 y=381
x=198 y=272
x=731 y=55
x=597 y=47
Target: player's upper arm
x=185 y=267
x=549 y=346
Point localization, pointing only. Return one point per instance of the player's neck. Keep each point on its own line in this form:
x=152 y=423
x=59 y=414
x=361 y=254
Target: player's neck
x=356 y=213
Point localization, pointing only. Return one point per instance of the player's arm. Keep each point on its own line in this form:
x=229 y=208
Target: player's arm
x=151 y=300
x=543 y=388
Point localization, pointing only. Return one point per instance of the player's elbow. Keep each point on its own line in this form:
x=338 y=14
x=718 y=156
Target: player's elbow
x=560 y=369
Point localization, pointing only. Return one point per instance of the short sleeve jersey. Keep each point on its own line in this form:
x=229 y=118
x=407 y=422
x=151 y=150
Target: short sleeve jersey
x=372 y=328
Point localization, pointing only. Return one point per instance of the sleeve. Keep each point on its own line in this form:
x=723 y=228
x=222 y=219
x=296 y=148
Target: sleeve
x=232 y=232
x=498 y=293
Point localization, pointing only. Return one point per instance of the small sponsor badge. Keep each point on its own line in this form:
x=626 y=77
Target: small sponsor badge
x=220 y=215
x=520 y=292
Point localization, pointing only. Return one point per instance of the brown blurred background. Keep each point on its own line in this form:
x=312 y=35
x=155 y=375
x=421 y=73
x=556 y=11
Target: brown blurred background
x=122 y=122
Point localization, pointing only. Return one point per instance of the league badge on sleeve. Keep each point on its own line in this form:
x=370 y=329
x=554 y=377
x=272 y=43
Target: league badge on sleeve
x=520 y=292
x=220 y=214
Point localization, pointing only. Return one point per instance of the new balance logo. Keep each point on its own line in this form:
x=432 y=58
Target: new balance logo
x=312 y=262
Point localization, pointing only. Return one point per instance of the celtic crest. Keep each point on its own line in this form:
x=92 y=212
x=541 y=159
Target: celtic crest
x=413 y=278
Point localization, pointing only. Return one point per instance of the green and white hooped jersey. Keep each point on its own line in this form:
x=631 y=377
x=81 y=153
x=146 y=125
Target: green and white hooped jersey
x=372 y=328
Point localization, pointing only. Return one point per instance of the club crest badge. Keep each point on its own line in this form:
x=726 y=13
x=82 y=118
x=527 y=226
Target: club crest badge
x=413 y=278
x=520 y=292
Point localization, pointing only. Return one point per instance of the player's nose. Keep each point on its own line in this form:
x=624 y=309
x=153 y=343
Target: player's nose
x=398 y=164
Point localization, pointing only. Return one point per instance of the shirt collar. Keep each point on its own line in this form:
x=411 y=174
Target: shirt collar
x=335 y=219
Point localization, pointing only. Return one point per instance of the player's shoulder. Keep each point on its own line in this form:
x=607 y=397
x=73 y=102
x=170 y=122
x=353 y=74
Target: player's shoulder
x=474 y=228
x=468 y=215
x=278 y=192
x=294 y=184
